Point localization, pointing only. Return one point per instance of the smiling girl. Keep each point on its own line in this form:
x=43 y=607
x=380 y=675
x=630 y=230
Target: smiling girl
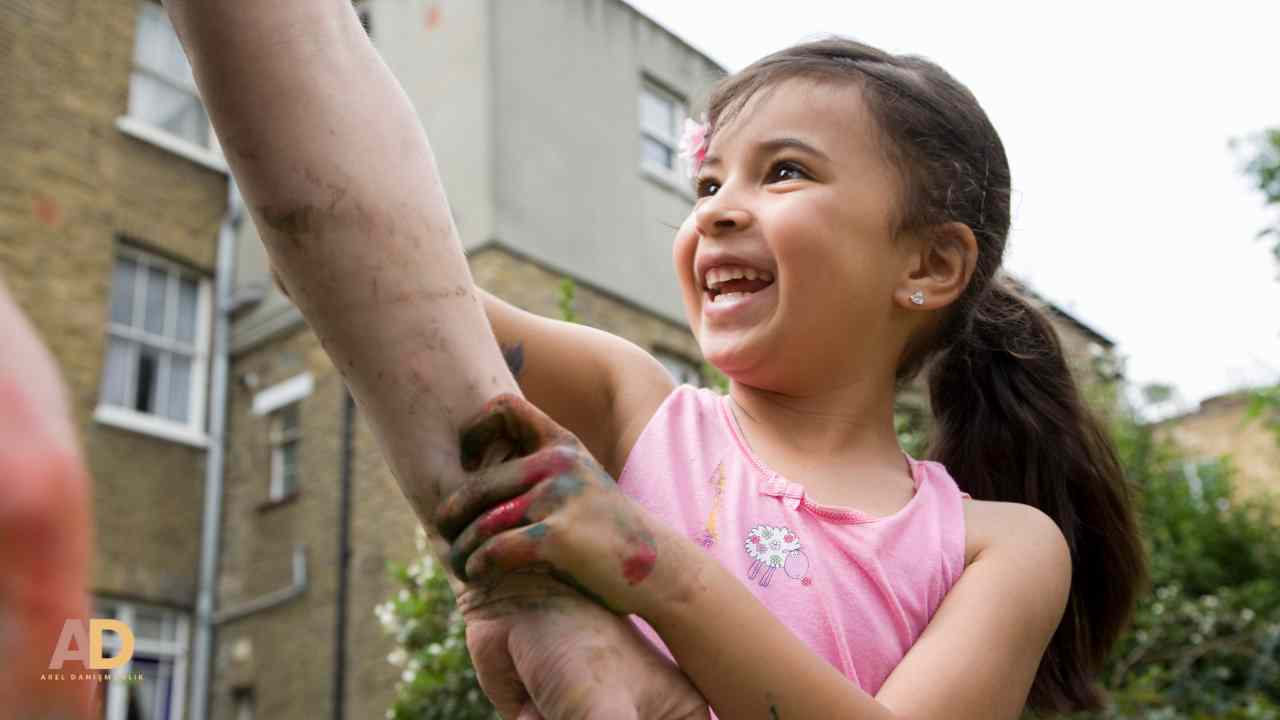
x=852 y=215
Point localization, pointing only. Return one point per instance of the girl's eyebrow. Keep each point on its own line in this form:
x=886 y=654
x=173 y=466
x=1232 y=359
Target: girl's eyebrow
x=766 y=146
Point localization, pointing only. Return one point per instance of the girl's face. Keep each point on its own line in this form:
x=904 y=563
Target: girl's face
x=819 y=221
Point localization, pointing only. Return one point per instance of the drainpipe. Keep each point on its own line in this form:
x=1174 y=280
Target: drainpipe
x=344 y=557
x=211 y=524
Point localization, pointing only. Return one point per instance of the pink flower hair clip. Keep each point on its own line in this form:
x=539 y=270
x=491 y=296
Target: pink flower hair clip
x=693 y=145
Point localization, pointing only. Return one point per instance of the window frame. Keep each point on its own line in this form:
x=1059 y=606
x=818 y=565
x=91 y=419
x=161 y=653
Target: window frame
x=278 y=438
x=134 y=125
x=176 y=650
x=680 y=112
x=192 y=432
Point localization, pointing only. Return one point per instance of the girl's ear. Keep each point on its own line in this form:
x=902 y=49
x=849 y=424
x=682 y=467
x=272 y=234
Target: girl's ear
x=941 y=262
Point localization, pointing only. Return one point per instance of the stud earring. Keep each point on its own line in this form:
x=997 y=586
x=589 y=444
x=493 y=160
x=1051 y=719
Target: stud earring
x=917 y=297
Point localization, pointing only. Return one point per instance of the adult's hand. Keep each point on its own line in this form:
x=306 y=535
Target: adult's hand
x=44 y=529
x=577 y=660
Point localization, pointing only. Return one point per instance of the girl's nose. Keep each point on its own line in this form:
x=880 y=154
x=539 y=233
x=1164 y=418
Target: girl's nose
x=716 y=217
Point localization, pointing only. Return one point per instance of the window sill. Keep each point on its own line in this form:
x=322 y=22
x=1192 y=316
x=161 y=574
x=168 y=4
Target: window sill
x=176 y=145
x=667 y=181
x=267 y=505
x=126 y=419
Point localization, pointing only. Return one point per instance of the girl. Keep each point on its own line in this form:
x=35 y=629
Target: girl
x=852 y=214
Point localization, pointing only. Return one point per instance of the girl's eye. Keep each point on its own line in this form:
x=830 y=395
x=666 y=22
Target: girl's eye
x=784 y=165
x=704 y=184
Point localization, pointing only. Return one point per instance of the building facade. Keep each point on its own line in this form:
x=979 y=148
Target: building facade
x=555 y=126
x=1221 y=427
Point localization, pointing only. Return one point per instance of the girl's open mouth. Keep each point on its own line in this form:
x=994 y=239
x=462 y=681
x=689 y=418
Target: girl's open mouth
x=720 y=304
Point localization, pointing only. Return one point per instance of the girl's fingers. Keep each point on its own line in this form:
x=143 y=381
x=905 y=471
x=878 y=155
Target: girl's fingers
x=514 y=513
x=500 y=484
x=507 y=425
x=511 y=550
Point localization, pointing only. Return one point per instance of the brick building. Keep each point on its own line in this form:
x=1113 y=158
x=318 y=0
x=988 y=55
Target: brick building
x=1219 y=427
x=109 y=227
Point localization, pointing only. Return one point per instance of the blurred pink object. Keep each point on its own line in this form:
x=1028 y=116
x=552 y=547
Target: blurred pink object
x=693 y=145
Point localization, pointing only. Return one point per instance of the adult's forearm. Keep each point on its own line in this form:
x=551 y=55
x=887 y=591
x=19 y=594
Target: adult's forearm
x=342 y=185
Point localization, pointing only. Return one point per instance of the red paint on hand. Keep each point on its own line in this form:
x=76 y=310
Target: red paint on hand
x=541 y=466
x=639 y=564
x=506 y=516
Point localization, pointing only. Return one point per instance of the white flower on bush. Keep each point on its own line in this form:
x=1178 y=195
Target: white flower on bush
x=398 y=657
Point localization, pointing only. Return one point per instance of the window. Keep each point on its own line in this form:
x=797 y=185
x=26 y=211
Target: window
x=285 y=438
x=151 y=685
x=661 y=118
x=683 y=371
x=1203 y=476
x=162 y=91
x=157 y=341
x=243 y=699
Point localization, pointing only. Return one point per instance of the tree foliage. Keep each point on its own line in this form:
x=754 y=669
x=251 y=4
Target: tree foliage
x=1262 y=167
x=1203 y=643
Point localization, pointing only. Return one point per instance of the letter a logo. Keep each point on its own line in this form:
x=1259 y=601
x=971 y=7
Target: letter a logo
x=72 y=629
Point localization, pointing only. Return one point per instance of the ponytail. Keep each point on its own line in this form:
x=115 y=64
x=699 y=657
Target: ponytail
x=1010 y=425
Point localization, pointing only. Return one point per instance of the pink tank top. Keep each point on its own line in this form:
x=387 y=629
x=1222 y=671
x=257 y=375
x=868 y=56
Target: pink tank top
x=856 y=588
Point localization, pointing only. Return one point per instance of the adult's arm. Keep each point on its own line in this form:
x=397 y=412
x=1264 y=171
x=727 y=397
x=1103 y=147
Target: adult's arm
x=341 y=182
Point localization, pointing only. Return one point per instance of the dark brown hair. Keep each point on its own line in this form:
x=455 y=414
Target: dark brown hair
x=1009 y=422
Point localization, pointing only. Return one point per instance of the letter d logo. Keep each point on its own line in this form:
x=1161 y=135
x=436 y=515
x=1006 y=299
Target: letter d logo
x=96 y=627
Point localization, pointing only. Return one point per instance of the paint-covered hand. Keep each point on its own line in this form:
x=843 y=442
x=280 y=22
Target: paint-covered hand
x=540 y=648
x=549 y=507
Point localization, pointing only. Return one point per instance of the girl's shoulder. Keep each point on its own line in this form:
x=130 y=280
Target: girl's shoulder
x=988 y=522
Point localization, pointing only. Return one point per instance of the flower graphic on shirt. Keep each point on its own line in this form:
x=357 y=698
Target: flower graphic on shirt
x=771 y=547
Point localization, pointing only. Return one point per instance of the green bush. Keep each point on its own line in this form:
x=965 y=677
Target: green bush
x=1204 y=643
x=437 y=681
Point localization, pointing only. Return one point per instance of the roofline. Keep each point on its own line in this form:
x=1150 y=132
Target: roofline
x=1239 y=395
x=702 y=53
x=1025 y=288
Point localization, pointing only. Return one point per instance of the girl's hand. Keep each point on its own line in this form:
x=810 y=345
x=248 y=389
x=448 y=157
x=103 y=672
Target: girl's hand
x=555 y=509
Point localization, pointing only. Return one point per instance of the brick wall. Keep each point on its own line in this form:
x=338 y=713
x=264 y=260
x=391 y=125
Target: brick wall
x=1219 y=428
x=73 y=183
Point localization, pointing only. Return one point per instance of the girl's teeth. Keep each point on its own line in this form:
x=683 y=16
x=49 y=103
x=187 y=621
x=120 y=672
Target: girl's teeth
x=725 y=296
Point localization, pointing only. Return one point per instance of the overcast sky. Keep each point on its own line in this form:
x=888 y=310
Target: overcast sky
x=1129 y=209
